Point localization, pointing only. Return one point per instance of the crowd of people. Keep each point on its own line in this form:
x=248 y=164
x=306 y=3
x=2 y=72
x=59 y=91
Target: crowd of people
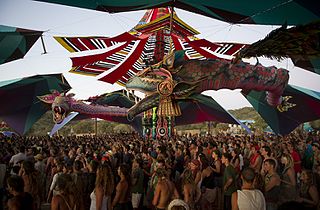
x=126 y=171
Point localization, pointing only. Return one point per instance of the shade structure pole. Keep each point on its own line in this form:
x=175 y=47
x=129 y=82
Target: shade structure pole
x=96 y=126
x=170 y=28
x=44 y=47
x=171 y=19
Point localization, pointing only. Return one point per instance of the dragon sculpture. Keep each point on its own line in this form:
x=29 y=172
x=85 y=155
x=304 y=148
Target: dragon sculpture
x=63 y=104
x=175 y=79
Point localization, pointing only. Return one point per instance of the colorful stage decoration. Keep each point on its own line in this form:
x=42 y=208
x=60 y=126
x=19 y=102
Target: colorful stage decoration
x=203 y=108
x=20 y=108
x=62 y=104
x=142 y=59
x=175 y=78
x=144 y=45
x=157 y=33
x=16 y=42
x=271 y=12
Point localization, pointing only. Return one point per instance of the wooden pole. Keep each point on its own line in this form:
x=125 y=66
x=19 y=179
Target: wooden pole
x=44 y=47
x=96 y=126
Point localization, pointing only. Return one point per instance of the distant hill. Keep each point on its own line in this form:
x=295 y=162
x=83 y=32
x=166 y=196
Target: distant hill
x=249 y=113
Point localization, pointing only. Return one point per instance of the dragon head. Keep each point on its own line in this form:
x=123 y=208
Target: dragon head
x=149 y=79
x=152 y=82
x=163 y=89
x=60 y=104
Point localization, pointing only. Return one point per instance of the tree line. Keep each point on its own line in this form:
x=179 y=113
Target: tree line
x=44 y=125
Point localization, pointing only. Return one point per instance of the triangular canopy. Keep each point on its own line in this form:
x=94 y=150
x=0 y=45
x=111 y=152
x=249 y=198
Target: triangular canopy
x=204 y=109
x=307 y=108
x=16 y=42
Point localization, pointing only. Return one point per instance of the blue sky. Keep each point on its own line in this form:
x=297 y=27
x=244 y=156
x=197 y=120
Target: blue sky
x=58 y=20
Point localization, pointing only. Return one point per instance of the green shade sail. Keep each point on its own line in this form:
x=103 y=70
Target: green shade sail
x=16 y=42
x=271 y=12
x=307 y=108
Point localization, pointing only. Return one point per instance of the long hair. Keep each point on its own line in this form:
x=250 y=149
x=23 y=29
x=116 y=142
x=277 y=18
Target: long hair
x=16 y=183
x=105 y=179
x=124 y=169
x=289 y=160
x=204 y=161
x=66 y=186
x=187 y=177
x=33 y=177
x=310 y=178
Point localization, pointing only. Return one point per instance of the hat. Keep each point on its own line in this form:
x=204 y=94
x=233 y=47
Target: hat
x=38 y=157
x=178 y=202
x=196 y=162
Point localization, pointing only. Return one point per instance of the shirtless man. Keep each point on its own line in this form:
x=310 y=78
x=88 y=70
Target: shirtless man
x=163 y=191
x=272 y=184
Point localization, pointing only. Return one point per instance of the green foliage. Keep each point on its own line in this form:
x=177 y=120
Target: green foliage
x=315 y=124
x=87 y=126
x=42 y=126
x=123 y=128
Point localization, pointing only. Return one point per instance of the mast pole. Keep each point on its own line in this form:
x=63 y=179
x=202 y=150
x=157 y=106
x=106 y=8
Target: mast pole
x=170 y=28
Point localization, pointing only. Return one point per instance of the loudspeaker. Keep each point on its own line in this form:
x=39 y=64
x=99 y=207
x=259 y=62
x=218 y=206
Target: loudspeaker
x=162 y=131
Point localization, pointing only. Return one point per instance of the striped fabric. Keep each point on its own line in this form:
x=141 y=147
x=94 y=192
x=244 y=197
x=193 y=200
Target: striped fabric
x=103 y=64
x=146 y=44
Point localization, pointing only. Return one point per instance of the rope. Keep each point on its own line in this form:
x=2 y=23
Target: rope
x=267 y=10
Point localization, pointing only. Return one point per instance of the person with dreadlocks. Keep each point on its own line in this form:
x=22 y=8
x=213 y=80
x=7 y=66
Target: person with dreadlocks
x=189 y=189
x=165 y=190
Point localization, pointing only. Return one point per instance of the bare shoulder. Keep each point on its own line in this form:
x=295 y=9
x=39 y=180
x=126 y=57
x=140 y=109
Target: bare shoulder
x=163 y=183
x=122 y=185
x=12 y=203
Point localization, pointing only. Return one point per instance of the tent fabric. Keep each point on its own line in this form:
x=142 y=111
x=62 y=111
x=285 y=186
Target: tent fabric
x=117 y=98
x=204 y=109
x=271 y=12
x=16 y=42
x=20 y=107
x=307 y=108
